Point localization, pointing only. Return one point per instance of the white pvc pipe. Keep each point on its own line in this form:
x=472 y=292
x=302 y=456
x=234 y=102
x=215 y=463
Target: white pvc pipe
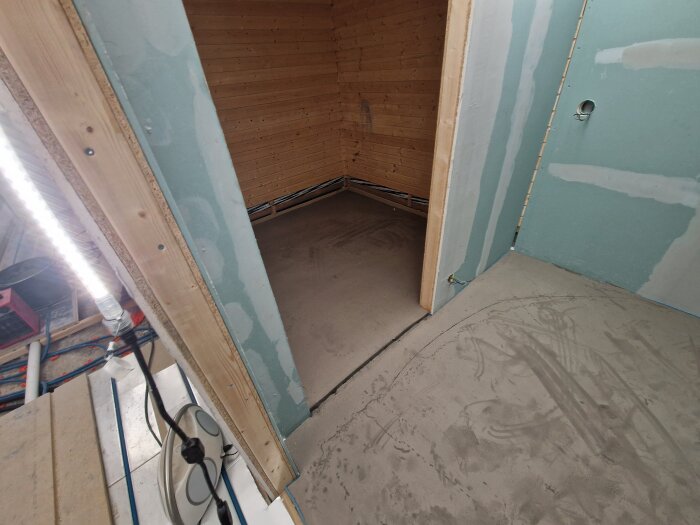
x=31 y=391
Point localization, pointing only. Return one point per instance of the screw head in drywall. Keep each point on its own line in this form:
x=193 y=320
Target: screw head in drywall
x=89 y=152
x=452 y=279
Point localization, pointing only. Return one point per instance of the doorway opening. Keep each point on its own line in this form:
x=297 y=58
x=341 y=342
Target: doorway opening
x=329 y=110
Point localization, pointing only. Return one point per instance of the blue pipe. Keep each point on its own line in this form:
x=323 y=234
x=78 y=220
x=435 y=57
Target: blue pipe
x=84 y=368
x=232 y=495
x=45 y=352
x=17 y=364
x=190 y=392
x=93 y=363
x=125 y=456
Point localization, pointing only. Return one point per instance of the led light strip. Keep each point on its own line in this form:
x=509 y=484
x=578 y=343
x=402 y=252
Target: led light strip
x=20 y=181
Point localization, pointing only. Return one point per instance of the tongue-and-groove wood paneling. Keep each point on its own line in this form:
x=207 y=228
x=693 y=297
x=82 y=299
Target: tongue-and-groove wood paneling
x=309 y=90
x=389 y=56
x=271 y=69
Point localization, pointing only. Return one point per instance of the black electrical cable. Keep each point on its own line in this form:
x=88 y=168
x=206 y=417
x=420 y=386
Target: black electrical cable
x=224 y=474
x=145 y=397
x=191 y=449
x=130 y=339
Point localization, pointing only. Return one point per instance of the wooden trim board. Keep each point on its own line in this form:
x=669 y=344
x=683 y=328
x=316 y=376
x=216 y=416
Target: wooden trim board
x=73 y=107
x=354 y=189
x=458 y=17
x=388 y=202
x=293 y=510
x=294 y=207
x=14 y=353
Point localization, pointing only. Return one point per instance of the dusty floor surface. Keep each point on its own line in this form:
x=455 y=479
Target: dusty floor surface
x=536 y=396
x=345 y=247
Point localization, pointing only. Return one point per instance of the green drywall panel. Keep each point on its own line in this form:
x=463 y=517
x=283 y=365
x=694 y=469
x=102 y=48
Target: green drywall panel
x=617 y=197
x=516 y=53
x=148 y=52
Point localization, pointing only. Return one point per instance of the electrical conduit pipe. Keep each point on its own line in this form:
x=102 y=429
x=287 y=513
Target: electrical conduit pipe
x=31 y=391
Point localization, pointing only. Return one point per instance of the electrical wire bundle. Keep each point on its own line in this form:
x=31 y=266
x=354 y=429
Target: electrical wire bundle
x=15 y=399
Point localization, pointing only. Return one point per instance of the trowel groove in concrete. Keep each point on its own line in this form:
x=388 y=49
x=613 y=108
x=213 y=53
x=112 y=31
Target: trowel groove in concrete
x=535 y=396
x=346 y=273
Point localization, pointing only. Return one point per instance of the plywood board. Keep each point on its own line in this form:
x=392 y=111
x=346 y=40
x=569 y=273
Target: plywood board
x=51 y=461
x=79 y=482
x=26 y=459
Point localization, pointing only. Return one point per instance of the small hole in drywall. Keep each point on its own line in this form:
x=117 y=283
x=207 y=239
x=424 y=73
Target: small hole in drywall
x=161 y=247
x=586 y=107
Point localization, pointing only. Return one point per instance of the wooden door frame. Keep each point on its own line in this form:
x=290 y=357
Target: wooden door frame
x=454 y=56
x=53 y=72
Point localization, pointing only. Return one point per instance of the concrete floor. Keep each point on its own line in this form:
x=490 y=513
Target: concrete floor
x=535 y=396
x=346 y=273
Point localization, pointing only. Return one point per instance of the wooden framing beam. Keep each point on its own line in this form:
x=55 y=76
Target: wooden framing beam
x=56 y=78
x=454 y=55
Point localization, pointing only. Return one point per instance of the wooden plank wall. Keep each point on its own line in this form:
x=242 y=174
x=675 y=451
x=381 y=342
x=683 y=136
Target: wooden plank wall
x=309 y=90
x=273 y=76
x=389 y=63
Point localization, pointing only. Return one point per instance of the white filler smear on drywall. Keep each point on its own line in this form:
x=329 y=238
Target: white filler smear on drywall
x=487 y=54
x=675 y=280
x=523 y=102
x=668 y=190
x=671 y=53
